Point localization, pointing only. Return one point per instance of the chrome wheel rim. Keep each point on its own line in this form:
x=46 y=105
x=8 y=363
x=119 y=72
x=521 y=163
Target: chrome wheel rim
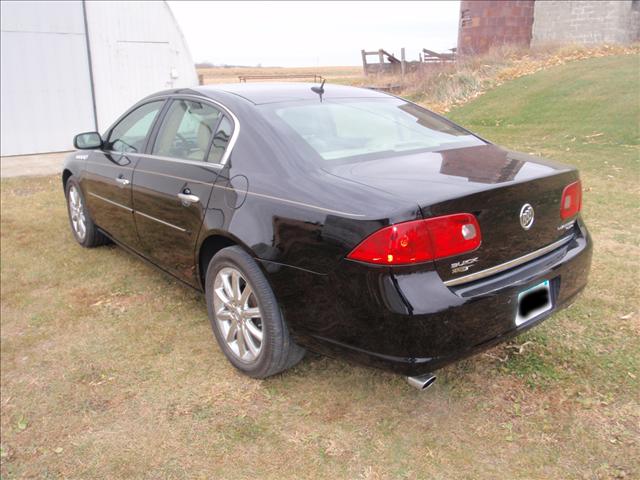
x=76 y=211
x=238 y=314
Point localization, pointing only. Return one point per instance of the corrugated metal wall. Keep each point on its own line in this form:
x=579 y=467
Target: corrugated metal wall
x=136 y=49
x=142 y=51
x=45 y=89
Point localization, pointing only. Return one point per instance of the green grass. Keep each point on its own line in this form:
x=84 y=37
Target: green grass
x=109 y=368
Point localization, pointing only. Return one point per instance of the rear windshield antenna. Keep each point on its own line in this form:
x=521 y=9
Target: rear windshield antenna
x=319 y=90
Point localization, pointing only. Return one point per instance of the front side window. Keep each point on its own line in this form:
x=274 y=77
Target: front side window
x=187 y=130
x=130 y=135
x=361 y=129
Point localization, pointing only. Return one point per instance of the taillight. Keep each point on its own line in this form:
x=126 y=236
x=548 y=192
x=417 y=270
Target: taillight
x=420 y=240
x=571 y=201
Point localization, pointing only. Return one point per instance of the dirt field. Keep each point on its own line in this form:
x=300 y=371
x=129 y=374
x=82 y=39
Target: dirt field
x=344 y=75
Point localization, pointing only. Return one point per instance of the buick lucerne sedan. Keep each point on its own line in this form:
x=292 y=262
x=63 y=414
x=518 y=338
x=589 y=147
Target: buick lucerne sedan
x=341 y=220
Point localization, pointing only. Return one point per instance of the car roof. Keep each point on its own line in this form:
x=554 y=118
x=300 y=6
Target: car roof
x=260 y=93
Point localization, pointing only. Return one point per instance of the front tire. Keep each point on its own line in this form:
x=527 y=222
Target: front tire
x=84 y=230
x=245 y=316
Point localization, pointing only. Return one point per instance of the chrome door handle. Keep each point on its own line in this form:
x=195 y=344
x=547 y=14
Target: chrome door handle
x=123 y=182
x=187 y=199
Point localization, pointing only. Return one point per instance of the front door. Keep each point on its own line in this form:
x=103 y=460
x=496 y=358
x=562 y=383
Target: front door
x=172 y=185
x=109 y=173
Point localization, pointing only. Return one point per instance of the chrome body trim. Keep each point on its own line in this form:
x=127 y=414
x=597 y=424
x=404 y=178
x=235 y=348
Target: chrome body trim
x=507 y=265
x=196 y=163
x=270 y=197
x=293 y=202
x=110 y=201
x=161 y=221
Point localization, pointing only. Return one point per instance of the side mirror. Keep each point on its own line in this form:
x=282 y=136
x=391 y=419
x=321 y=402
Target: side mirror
x=87 y=141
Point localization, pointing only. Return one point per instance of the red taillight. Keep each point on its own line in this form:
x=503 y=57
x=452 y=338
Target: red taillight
x=420 y=240
x=454 y=234
x=571 y=201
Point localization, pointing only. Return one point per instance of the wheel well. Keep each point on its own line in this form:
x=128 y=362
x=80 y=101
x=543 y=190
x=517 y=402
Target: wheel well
x=65 y=176
x=209 y=248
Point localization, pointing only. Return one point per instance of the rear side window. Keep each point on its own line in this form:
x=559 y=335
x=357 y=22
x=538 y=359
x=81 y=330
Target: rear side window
x=187 y=130
x=220 y=140
x=130 y=135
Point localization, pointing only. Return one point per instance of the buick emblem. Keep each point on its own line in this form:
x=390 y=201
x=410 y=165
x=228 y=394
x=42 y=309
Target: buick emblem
x=526 y=216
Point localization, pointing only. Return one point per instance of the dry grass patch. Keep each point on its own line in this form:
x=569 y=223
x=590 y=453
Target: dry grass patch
x=441 y=88
x=110 y=370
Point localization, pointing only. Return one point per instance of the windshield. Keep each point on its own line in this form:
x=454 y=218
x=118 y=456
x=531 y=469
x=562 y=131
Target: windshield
x=361 y=129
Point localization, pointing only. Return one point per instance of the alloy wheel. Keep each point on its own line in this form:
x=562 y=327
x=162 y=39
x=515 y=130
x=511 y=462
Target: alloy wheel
x=76 y=211
x=238 y=314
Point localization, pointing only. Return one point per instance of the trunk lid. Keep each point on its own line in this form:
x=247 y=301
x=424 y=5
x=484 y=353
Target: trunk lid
x=488 y=181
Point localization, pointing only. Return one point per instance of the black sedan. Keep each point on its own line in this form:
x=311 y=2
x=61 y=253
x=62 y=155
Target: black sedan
x=340 y=220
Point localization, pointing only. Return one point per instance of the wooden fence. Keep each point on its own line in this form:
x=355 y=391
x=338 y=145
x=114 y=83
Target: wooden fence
x=388 y=63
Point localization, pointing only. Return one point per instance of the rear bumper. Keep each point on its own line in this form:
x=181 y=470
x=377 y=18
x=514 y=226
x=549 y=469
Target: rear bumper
x=409 y=321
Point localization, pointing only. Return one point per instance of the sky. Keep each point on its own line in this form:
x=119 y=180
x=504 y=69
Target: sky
x=289 y=34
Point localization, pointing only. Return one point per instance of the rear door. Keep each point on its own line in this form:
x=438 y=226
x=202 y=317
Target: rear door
x=109 y=172
x=173 y=182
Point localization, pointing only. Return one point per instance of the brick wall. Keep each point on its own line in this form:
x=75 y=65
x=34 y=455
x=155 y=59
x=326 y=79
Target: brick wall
x=586 y=22
x=488 y=23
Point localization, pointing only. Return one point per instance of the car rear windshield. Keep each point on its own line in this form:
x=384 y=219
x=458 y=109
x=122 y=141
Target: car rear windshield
x=363 y=129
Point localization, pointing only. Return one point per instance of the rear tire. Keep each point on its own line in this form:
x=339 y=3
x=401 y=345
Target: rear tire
x=245 y=316
x=84 y=230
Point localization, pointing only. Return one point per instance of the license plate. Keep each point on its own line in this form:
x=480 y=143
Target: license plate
x=533 y=302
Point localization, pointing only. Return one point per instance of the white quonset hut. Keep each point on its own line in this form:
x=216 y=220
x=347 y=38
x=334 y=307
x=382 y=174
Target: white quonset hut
x=74 y=66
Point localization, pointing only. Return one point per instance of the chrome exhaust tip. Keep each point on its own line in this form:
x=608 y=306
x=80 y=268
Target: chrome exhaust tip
x=422 y=382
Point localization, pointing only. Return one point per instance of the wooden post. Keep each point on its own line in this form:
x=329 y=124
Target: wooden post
x=381 y=58
x=403 y=63
x=200 y=79
x=364 y=63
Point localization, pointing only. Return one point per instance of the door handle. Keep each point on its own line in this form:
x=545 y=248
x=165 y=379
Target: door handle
x=187 y=199
x=122 y=182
